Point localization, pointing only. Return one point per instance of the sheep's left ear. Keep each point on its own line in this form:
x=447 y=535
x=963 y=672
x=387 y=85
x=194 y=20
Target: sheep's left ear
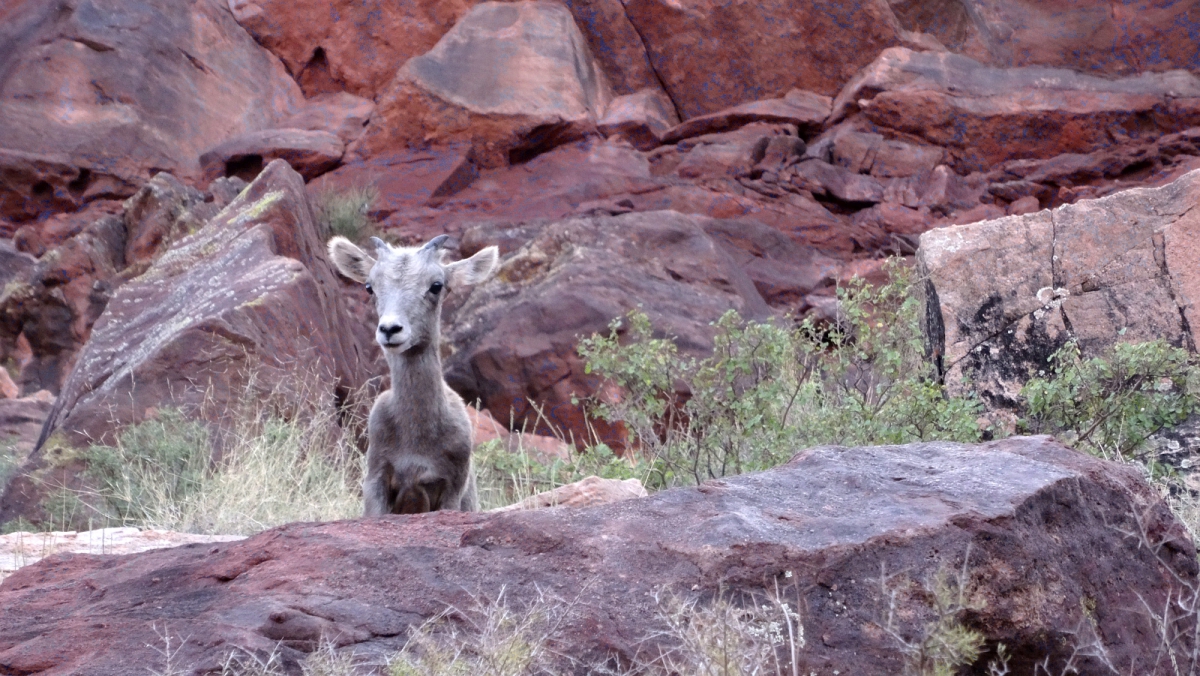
x=473 y=270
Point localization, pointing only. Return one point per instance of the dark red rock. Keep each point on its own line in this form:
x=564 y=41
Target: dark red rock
x=1039 y=529
x=712 y=54
x=983 y=115
x=346 y=45
x=310 y=153
x=642 y=118
x=36 y=237
x=56 y=304
x=805 y=110
x=148 y=87
x=341 y=114
x=514 y=338
x=512 y=80
x=250 y=294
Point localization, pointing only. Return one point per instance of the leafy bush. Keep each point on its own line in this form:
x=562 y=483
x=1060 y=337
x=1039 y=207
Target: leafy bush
x=345 y=211
x=1109 y=405
x=768 y=391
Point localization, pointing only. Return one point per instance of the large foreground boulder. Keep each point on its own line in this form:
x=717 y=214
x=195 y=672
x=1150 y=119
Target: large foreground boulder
x=1056 y=553
x=1003 y=295
x=513 y=79
x=250 y=297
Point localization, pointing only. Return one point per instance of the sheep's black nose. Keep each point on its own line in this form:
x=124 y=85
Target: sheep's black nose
x=390 y=330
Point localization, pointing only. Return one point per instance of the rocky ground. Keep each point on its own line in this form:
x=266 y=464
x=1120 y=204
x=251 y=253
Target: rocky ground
x=847 y=532
x=161 y=165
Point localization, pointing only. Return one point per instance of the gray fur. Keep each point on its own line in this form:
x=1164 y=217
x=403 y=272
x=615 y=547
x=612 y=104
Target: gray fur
x=420 y=438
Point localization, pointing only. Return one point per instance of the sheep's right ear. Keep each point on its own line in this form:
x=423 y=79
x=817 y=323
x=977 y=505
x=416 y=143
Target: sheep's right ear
x=350 y=260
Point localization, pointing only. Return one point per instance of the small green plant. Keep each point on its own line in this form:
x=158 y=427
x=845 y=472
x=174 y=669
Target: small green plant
x=345 y=211
x=1109 y=405
x=943 y=644
x=768 y=391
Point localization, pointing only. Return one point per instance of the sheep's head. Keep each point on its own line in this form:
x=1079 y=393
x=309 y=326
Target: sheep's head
x=408 y=285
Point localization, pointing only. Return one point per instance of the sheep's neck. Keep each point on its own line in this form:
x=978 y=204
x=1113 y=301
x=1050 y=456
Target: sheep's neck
x=417 y=385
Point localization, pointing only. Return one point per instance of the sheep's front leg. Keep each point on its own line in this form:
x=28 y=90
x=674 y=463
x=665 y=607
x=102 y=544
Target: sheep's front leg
x=375 y=492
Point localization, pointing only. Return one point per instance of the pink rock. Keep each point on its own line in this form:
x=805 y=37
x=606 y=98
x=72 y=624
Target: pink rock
x=310 y=153
x=643 y=118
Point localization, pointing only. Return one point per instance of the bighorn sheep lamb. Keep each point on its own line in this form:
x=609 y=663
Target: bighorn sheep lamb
x=420 y=438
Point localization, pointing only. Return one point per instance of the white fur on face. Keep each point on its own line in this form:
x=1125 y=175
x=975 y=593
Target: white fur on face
x=408 y=284
x=402 y=282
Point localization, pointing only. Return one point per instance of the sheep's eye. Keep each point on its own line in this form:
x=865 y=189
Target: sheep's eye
x=435 y=288
x=370 y=290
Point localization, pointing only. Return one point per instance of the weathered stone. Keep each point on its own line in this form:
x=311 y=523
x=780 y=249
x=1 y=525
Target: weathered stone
x=250 y=295
x=1091 y=36
x=37 y=237
x=827 y=179
x=14 y=265
x=712 y=54
x=1049 y=546
x=805 y=110
x=310 y=153
x=116 y=92
x=1003 y=295
x=983 y=115
x=161 y=212
x=55 y=305
x=643 y=118
x=514 y=338
x=511 y=79
x=21 y=420
x=406 y=180
x=872 y=154
x=346 y=45
x=341 y=114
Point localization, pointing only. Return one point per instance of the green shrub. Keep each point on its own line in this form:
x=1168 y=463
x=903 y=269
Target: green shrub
x=768 y=391
x=344 y=212
x=1109 y=405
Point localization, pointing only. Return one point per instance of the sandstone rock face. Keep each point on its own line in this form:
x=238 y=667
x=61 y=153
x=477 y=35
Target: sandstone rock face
x=309 y=153
x=346 y=45
x=804 y=109
x=341 y=114
x=1003 y=295
x=249 y=294
x=642 y=118
x=714 y=54
x=1037 y=527
x=512 y=79
x=109 y=93
x=1086 y=36
x=514 y=338
x=984 y=115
